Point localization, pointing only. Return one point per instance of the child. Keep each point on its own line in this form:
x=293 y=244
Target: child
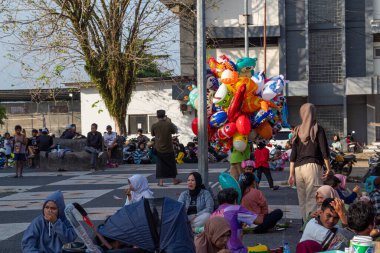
x=262 y=165
x=248 y=166
x=19 y=146
x=8 y=145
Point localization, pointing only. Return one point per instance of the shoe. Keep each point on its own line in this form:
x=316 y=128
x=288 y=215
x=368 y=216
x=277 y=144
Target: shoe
x=15 y=176
x=100 y=154
x=275 y=188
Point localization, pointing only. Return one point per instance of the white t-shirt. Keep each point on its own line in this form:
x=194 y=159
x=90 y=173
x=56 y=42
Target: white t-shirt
x=109 y=138
x=314 y=232
x=8 y=146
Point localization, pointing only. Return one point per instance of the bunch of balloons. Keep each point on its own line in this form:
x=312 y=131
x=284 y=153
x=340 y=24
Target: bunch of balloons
x=241 y=105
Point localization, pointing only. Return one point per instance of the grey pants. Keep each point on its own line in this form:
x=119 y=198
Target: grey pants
x=94 y=154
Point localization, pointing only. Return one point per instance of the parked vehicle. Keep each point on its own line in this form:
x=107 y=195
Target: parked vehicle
x=341 y=163
x=352 y=145
x=374 y=166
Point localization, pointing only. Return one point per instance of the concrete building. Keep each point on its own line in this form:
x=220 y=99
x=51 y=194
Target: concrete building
x=150 y=95
x=32 y=108
x=326 y=48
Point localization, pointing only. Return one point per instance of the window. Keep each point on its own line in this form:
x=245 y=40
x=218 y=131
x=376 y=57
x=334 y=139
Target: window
x=137 y=121
x=376 y=52
x=152 y=119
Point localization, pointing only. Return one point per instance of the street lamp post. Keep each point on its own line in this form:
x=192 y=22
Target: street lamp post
x=72 y=109
x=201 y=73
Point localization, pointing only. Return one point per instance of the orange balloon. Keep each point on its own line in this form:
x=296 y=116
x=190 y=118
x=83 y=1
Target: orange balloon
x=265 y=130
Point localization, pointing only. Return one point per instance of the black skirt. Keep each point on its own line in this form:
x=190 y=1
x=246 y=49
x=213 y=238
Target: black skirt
x=166 y=165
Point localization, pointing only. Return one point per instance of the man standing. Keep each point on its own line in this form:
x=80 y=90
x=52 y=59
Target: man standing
x=94 y=144
x=166 y=164
x=110 y=143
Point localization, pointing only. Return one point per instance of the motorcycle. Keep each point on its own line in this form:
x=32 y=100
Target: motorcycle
x=353 y=146
x=340 y=163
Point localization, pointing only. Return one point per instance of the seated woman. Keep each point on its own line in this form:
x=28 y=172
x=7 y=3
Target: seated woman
x=50 y=230
x=236 y=215
x=323 y=192
x=198 y=201
x=138 y=189
x=255 y=201
x=340 y=187
x=214 y=238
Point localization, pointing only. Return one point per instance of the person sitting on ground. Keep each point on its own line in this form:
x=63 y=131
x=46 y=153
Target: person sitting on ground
x=50 y=230
x=141 y=154
x=138 y=189
x=94 y=144
x=215 y=237
x=198 y=201
x=262 y=165
x=140 y=137
x=308 y=247
x=151 y=151
x=191 y=153
x=110 y=143
x=236 y=215
x=323 y=192
x=375 y=198
x=255 y=201
x=45 y=141
x=340 y=187
x=248 y=166
x=322 y=229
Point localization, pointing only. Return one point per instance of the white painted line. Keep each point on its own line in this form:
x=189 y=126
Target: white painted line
x=11 y=229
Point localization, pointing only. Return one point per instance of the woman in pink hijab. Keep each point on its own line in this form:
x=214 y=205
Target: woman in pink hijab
x=310 y=151
x=340 y=188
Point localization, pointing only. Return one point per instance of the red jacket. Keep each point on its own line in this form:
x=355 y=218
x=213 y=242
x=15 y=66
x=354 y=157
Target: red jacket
x=262 y=158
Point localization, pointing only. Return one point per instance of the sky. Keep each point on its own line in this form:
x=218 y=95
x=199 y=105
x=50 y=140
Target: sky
x=10 y=70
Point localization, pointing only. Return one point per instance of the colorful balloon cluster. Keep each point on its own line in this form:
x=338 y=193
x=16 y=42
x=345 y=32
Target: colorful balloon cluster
x=241 y=105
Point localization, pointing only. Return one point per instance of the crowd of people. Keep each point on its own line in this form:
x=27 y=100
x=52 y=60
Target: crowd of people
x=331 y=213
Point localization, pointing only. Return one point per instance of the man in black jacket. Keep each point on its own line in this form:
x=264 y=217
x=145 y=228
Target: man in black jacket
x=94 y=144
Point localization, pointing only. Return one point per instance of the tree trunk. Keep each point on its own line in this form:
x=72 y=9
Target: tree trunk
x=120 y=126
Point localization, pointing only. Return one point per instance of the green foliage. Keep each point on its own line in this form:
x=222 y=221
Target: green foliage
x=3 y=115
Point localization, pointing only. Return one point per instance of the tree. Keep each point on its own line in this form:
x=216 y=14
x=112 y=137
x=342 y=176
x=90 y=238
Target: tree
x=3 y=115
x=112 y=40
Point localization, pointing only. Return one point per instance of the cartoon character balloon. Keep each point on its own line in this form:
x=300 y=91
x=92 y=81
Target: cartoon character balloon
x=227 y=131
x=240 y=142
x=223 y=96
x=273 y=87
x=265 y=130
x=218 y=119
x=193 y=97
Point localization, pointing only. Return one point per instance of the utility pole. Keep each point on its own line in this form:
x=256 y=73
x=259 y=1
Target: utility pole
x=201 y=83
x=246 y=40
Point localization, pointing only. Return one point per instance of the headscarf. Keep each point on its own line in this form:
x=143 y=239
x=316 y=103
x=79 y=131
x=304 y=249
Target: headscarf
x=198 y=184
x=308 y=247
x=308 y=129
x=141 y=187
x=328 y=192
x=214 y=229
x=342 y=180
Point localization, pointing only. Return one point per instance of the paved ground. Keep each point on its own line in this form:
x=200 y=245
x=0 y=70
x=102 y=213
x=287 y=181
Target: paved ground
x=21 y=199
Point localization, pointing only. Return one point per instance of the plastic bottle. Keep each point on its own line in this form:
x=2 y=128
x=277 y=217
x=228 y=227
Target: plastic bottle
x=286 y=248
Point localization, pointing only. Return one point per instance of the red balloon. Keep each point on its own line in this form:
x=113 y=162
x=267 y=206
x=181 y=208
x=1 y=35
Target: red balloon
x=194 y=126
x=236 y=103
x=243 y=124
x=227 y=131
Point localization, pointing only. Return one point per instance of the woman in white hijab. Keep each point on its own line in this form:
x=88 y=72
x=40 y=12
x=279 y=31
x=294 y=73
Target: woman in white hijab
x=138 y=189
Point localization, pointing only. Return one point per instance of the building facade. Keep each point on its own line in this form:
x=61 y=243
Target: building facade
x=326 y=49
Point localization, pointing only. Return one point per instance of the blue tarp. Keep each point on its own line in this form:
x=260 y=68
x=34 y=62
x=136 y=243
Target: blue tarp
x=131 y=225
x=176 y=235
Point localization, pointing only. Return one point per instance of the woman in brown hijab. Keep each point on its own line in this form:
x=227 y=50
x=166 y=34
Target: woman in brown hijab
x=310 y=152
x=215 y=237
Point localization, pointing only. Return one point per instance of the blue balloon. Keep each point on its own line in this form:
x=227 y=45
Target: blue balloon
x=260 y=117
x=218 y=119
x=228 y=181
